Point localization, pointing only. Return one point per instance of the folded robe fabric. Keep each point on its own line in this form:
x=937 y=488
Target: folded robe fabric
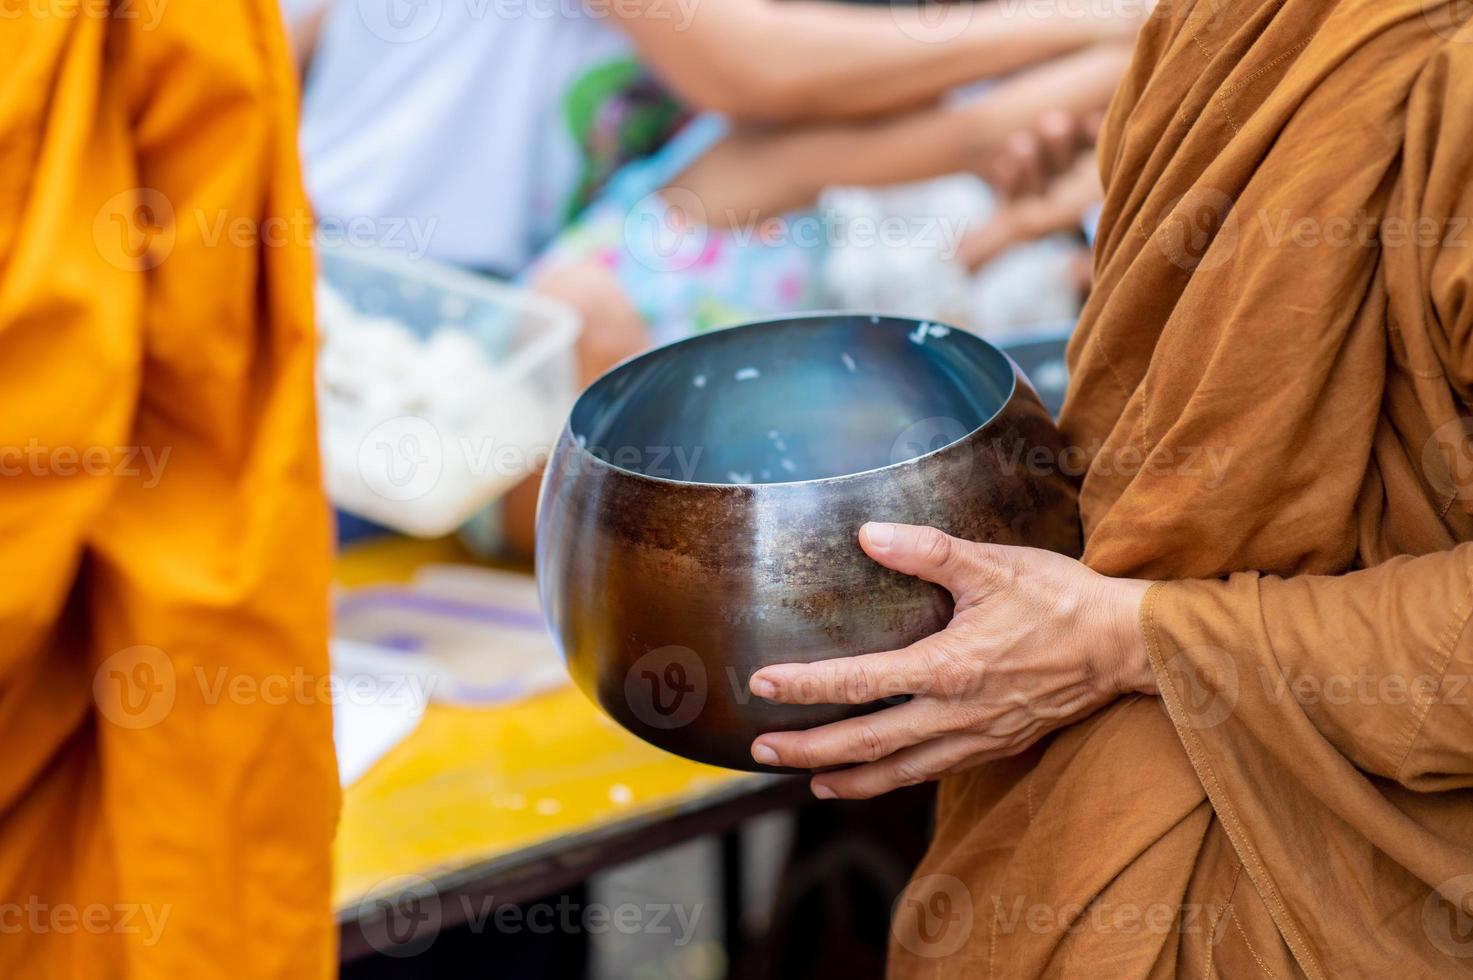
x=168 y=795
x=1272 y=383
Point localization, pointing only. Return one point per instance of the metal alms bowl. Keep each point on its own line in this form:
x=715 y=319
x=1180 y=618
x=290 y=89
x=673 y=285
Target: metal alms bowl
x=700 y=512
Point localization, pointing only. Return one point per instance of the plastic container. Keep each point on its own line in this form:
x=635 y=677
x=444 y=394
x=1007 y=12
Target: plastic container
x=439 y=390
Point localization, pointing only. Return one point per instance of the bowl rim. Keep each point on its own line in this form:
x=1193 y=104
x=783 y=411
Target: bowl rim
x=585 y=454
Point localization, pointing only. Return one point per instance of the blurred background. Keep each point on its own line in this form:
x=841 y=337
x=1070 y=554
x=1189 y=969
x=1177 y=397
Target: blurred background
x=510 y=197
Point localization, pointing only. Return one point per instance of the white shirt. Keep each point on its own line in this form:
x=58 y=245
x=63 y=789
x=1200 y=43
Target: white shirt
x=446 y=123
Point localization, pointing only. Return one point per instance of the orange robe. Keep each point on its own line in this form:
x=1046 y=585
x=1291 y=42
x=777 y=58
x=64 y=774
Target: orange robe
x=169 y=792
x=1273 y=377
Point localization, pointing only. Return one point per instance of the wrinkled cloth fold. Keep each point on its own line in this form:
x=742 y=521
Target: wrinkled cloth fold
x=1272 y=380
x=169 y=793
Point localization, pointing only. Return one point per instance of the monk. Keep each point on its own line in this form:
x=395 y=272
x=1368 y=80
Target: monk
x=1237 y=739
x=169 y=791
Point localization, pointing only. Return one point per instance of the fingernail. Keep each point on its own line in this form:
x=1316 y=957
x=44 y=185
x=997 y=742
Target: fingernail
x=763 y=688
x=822 y=792
x=764 y=754
x=880 y=535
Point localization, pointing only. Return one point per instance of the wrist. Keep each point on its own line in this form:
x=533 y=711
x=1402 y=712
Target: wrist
x=1128 y=639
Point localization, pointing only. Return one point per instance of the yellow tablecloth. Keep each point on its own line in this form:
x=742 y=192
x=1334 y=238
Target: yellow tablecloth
x=475 y=784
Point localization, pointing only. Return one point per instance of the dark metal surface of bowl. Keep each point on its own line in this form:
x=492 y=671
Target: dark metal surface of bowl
x=699 y=517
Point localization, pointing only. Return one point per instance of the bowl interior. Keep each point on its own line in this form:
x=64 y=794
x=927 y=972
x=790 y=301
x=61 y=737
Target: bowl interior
x=802 y=398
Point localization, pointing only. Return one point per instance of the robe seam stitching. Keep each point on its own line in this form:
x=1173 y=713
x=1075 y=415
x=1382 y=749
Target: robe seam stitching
x=1225 y=94
x=1197 y=40
x=1232 y=890
x=1211 y=947
x=1252 y=950
x=1227 y=113
x=1221 y=805
x=1212 y=938
x=1268 y=66
x=1446 y=643
x=1396 y=346
x=1125 y=390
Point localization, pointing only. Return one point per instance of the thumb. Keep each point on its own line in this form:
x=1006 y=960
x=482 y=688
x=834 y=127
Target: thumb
x=961 y=567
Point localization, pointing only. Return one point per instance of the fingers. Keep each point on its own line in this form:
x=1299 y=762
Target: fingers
x=1093 y=122
x=908 y=767
x=1082 y=271
x=1028 y=160
x=1062 y=208
x=1022 y=170
x=1059 y=135
x=961 y=567
x=867 y=738
x=997 y=235
x=850 y=680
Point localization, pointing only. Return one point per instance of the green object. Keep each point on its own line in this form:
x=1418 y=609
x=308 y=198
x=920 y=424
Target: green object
x=616 y=112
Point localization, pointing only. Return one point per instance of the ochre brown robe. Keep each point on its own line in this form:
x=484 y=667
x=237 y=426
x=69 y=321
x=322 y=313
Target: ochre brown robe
x=1272 y=375
x=168 y=791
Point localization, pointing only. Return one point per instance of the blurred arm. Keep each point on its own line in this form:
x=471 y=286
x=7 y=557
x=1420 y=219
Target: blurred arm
x=758 y=172
x=760 y=60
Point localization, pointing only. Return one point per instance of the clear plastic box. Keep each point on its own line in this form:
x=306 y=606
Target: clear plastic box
x=438 y=390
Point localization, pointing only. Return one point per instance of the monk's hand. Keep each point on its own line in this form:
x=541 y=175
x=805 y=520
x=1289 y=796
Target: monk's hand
x=1037 y=641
